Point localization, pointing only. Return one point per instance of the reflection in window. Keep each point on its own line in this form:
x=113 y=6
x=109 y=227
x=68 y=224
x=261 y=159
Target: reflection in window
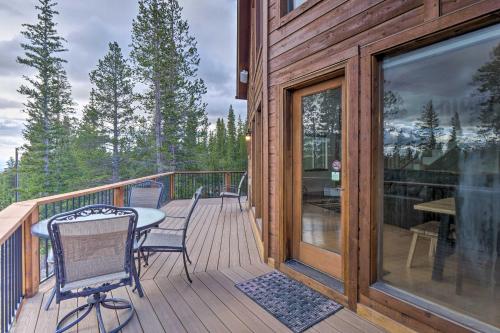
x=321 y=149
x=321 y=126
x=441 y=205
x=292 y=4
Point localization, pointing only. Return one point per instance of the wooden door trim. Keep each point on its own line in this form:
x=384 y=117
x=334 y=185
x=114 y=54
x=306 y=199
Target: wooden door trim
x=347 y=66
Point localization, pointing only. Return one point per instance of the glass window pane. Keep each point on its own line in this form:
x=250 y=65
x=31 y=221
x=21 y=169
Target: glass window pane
x=292 y=4
x=322 y=143
x=440 y=237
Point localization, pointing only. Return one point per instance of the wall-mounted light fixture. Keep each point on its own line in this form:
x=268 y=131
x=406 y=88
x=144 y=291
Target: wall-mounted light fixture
x=248 y=137
x=244 y=76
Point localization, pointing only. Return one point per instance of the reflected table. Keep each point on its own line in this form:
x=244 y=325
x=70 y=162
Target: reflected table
x=446 y=208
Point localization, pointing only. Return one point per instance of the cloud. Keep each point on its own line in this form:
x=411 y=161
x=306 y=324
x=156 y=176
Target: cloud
x=11 y=128
x=9 y=50
x=7 y=104
x=9 y=10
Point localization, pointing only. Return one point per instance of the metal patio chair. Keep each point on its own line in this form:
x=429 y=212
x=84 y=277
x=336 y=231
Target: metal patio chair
x=233 y=192
x=93 y=255
x=169 y=239
x=146 y=194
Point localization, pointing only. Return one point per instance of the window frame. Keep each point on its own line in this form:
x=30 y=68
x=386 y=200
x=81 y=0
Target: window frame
x=286 y=14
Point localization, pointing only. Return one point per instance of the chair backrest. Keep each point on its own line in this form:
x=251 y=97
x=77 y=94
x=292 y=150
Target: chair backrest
x=242 y=180
x=146 y=194
x=192 y=206
x=92 y=241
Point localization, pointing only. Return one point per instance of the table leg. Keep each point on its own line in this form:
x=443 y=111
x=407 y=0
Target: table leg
x=442 y=247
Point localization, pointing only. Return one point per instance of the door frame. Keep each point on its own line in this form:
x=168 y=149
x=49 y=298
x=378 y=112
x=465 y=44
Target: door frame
x=326 y=261
x=345 y=64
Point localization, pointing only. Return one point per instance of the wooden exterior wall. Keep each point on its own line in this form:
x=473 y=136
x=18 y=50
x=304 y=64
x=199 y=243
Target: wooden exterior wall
x=317 y=39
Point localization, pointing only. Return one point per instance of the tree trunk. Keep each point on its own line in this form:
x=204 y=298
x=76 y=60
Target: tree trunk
x=157 y=123
x=46 y=134
x=115 y=162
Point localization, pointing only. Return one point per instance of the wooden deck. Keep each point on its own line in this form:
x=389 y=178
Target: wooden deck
x=224 y=251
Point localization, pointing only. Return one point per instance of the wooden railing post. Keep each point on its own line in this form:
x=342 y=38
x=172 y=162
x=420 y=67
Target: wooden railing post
x=227 y=181
x=172 y=186
x=119 y=196
x=31 y=256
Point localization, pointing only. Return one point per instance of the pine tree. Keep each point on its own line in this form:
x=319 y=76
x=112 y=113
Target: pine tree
x=231 y=137
x=456 y=129
x=48 y=104
x=7 y=184
x=166 y=60
x=220 y=143
x=487 y=81
x=428 y=128
x=242 y=145
x=114 y=97
x=90 y=148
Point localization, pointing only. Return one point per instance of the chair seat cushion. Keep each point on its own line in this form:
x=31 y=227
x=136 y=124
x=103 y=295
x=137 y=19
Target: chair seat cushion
x=157 y=240
x=97 y=280
x=229 y=194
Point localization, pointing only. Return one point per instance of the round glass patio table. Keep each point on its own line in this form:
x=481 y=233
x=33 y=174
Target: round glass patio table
x=147 y=218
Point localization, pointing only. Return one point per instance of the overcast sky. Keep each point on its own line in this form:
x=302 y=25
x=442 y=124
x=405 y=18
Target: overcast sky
x=88 y=27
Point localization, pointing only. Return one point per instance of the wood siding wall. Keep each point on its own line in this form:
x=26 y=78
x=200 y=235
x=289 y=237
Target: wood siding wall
x=317 y=35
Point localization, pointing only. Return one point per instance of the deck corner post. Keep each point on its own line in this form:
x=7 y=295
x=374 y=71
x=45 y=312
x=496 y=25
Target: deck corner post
x=31 y=256
x=119 y=196
x=171 y=186
x=227 y=181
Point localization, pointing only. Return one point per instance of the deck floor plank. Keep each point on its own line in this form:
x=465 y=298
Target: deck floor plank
x=207 y=316
x=188 y=318
x=202 y=260
x=134 y=325
x=250 y=320
x=224 y=313
x=224 y=246
x=163 y=309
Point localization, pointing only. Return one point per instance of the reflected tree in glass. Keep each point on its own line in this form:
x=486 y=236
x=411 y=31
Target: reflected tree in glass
x=487 y=80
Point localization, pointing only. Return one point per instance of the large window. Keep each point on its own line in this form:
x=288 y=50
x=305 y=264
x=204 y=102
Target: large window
x=440 y=236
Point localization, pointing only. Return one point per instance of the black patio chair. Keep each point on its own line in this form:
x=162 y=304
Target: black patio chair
x=168 y=239
x=146 y=194
x=233 y=192
x=93 y=255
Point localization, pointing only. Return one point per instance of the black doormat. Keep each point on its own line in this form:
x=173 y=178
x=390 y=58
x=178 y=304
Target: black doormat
x=294 y=304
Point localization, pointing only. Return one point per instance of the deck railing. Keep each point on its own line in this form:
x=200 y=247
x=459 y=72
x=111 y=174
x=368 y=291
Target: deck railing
x=24 y=259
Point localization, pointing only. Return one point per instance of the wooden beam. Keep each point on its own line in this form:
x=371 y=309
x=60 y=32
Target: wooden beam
x=431 y=9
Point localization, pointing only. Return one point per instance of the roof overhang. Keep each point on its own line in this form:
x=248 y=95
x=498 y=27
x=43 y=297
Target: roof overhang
x=243 y=46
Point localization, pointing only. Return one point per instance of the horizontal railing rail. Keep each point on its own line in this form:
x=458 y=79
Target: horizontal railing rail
x=213 y=182
x=25 y=260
